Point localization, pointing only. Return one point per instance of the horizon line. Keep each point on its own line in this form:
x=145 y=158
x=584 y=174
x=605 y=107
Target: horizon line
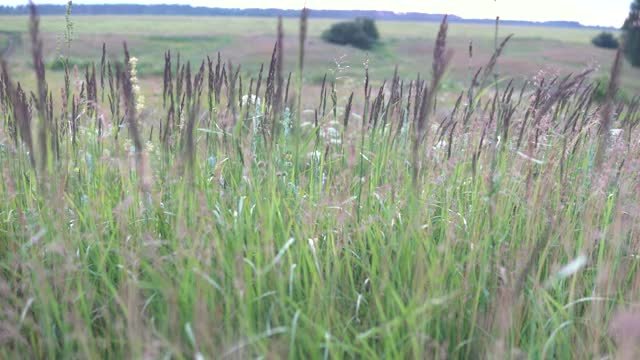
x=399 y=13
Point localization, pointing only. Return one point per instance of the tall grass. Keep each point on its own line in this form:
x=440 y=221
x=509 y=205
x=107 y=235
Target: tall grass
x=214 y=231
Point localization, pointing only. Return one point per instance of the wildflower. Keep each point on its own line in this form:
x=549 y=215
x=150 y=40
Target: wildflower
x=314 y=155
x=135 y=84
x=331 y=135
x=254 y=100
x=149 y=147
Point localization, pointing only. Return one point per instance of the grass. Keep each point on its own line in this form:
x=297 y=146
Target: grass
x=4 y=40
x=204 y=226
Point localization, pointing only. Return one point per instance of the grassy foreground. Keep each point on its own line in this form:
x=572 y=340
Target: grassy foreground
x=225 y=226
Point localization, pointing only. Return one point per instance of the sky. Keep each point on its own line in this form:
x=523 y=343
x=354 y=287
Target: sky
x=587 y=12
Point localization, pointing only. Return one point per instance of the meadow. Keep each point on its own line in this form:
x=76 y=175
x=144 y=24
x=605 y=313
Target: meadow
x=249 y=41
x=156 y=206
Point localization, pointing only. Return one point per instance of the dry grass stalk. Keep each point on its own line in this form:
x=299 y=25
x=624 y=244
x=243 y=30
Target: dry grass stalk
x=166 y=83
x=441 y=59
x=43 y=128
x=21 y=126
x=102 y=70
x=606 y=114
x=193 y=111
x=347 y=112
x=304 y=17
x=131 y=118
x=488 y=69
x=278 y=105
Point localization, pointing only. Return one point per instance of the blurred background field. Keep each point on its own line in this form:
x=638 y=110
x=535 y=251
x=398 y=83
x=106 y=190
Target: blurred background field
x=249 y=41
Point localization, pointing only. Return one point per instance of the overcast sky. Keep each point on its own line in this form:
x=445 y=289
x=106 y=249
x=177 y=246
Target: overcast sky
x=588 y=12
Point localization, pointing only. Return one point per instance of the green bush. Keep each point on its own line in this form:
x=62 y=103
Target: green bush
x=605 y=40
x=369 y=27
x=601 y=88
x=58 y=64
x=361 y=33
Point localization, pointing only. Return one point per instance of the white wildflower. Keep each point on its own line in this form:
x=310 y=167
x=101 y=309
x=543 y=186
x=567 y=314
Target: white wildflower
x=314 y=155
x=254 y=100
x=135 y=84
x=332 y=132
x=139 y=103
x=149 y=147
x=331 y=135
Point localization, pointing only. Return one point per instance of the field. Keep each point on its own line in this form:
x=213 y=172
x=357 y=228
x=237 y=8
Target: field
x=154 y=209
x=249 y=41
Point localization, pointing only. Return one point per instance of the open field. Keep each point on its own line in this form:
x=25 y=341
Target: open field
x=351 y=219
x=249 y=41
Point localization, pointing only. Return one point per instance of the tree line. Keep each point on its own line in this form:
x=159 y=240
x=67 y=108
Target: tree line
x=163 y=9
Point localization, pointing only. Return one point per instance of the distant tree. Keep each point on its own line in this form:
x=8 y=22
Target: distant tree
x=631 y=30
x=605 y=40
x=361 y=33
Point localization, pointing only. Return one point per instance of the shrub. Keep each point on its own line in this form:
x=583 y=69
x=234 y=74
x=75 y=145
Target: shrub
x=601 y=88
x=369 y=27
x=605 y=40
x=58 y=64
x=361 y=33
